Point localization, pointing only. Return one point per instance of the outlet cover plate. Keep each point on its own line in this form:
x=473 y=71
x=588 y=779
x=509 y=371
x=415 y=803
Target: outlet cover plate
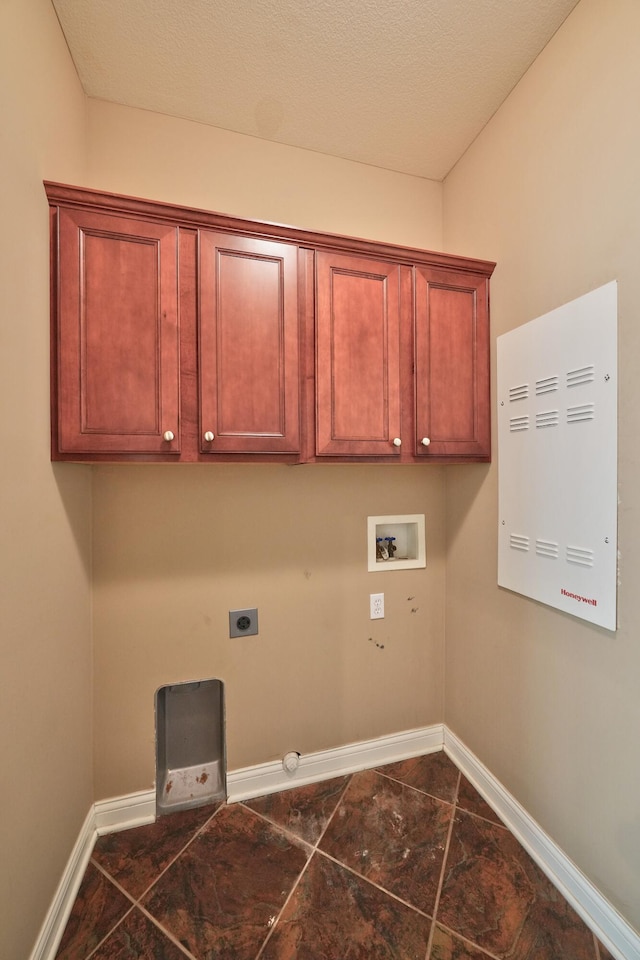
x=376 y=606
x=243 y=623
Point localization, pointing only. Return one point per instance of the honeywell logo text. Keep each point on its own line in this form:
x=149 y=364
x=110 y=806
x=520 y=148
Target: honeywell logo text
x=576 y=596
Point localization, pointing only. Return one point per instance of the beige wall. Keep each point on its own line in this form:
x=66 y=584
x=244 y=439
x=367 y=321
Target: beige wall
x=176 y=549
x=550 y=704
x=162 y=158
x=45 y=653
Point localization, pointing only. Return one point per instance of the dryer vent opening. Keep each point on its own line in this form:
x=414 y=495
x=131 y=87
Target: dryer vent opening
x=190 y=745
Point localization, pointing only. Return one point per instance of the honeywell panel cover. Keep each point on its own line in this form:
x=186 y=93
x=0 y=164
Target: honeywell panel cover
x=557 y=458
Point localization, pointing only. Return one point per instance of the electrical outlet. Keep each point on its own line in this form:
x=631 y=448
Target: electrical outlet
x=243 y=623
x=376 y=606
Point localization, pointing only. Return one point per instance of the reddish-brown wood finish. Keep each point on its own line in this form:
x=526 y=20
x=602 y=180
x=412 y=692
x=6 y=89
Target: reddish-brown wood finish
x=81 y=197
x=285 y=344
x=451 y=365
x=117 y=337
x=249 y=369
x=358 y=356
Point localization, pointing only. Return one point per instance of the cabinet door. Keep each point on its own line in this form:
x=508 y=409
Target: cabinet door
x=116 y=336
x=357 y=357
x=452 y=365
x=248 y=340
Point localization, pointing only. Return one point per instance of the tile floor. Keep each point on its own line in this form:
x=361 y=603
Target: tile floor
x=405 y=862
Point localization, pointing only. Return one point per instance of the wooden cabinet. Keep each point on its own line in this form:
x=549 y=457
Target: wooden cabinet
x=402 y=363
x=182 y=335
x=248 y=345
x=452 y=415
x=357 y=357
x=116 y=359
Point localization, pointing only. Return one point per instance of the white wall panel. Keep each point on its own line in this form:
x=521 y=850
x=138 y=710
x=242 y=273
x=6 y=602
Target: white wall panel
x=557 y=457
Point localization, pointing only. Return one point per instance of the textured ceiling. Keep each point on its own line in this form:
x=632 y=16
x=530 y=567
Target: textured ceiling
x=400 y=84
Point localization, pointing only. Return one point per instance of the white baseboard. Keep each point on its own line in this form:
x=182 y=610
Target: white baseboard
x=121 y=813
x=46 y=945
x=622 y=941
x=264 y=778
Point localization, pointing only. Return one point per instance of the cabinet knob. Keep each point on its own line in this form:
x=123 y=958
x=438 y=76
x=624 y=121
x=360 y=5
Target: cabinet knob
x=425 y=441
x=209 y=436
x=397 y=442
x=168 y=436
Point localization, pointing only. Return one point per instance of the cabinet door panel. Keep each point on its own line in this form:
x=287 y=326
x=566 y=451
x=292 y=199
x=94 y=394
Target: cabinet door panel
x=117 y=335
x=452 y=364
x=357 y=357
x=248 y=345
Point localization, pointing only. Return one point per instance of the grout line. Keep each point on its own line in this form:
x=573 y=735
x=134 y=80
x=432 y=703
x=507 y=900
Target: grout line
x=299 y=841
x=111 y=932
x=471 y=943
x=276 y=920
x=409 y=786
x=180 y=852
x=317 y=851
x=137 y=904
x=113 y=881
x=478 y=816
x=311 y=846
x=335 y=810
x=389 y=893
x=128 y=896
x=167 y=933
x=442 y=871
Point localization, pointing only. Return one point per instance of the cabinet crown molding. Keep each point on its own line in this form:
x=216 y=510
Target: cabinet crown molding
x=85 y=197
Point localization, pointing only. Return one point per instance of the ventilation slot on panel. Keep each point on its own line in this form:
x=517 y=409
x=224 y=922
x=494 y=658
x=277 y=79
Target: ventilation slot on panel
x=583 y=411
x=548 y=385
x=520 y=392
x=583 y=558
x=518 y=423
x=547 y=418
x=547 y=548
x=518 y=543
x=581 y=375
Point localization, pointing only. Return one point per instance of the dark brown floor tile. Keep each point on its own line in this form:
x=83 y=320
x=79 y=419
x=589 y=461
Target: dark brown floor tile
x=335 y=914
x=222 y=895
x=495 y=896
x=470 y=800
x=434 y=773
x=391 y=834
x=304 y=810
x=446 y=946
x=97 y=909
x=137 y=857
x=137 y=938
x=604 y=953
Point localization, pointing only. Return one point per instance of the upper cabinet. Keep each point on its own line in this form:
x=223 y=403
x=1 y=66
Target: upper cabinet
x=248 y=345
x=452 y=415
x=357 y=357
x=182 y=335
x=115 y=342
